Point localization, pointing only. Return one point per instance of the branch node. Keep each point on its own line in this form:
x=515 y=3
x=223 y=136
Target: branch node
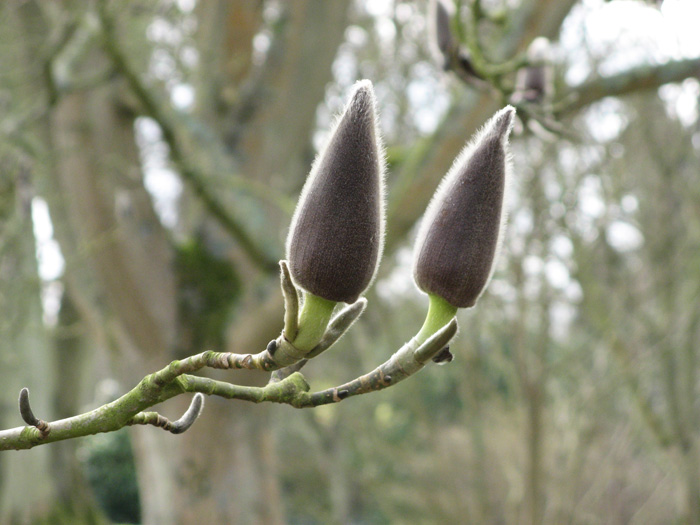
x=272 y=347
x=28 y=416
x=444 y=356
x=436 y=342
x=283 y=373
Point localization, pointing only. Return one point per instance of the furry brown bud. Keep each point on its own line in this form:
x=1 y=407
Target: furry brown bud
x=337 y=232
x=461 y=232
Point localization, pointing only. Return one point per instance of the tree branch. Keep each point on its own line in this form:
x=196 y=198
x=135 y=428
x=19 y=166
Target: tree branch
x=287 y=387
x=428 y=160
x=642 y=78
x=175 y=379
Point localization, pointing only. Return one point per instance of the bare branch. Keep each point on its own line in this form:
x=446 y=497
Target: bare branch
x=283 y=373
x=639 y=79
x=294 y=390
x=175 y=379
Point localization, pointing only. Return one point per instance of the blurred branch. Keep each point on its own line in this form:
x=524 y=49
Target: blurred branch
x=535 y=18
x=425 y=164
x=474 y=69
x=652 y=420
x=56 y=48
x=493 y=73
x=286 y=90
x=191 y=175
x=639 y=79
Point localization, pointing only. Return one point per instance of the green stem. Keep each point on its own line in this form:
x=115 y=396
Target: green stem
x=313 y=321
x=440 y=312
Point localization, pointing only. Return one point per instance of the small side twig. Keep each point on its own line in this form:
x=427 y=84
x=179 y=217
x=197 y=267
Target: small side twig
x=28 y=416
x=176 y=427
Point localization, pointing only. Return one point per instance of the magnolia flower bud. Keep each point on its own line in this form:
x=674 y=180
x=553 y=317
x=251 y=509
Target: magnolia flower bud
x=337 y=232
x=445 y=47
x=462 y=228
x=534 y=82
x=440 y=32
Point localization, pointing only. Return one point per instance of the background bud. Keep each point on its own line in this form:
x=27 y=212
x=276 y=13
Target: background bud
x=445 y=47
x=462 y=228
x=337 y=232
x=534 y=82
x=440 y=32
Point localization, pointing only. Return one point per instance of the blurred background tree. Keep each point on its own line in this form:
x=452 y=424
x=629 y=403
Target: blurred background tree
x=151 y=154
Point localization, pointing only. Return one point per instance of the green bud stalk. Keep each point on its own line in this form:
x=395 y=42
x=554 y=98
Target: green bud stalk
x=315 y=314
x=440 y=313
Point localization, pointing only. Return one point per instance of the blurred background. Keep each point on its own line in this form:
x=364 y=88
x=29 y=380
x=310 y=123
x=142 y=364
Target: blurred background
x=151 y=153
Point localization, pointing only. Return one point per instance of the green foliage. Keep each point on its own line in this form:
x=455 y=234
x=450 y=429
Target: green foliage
x=208 y=289
x=109 y=467
x=67 y=514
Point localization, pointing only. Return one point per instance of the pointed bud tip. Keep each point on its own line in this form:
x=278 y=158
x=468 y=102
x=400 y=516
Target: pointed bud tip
x=459 y=238
x=503 y=122
x=336 y=237
x=364 y=86
x=362 y=100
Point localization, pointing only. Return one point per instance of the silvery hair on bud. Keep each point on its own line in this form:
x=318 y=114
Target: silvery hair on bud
x=440 y=31
x=461 y=232
x=336 y=237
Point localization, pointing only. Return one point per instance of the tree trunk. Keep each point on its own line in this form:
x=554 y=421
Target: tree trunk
x=48 y=482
